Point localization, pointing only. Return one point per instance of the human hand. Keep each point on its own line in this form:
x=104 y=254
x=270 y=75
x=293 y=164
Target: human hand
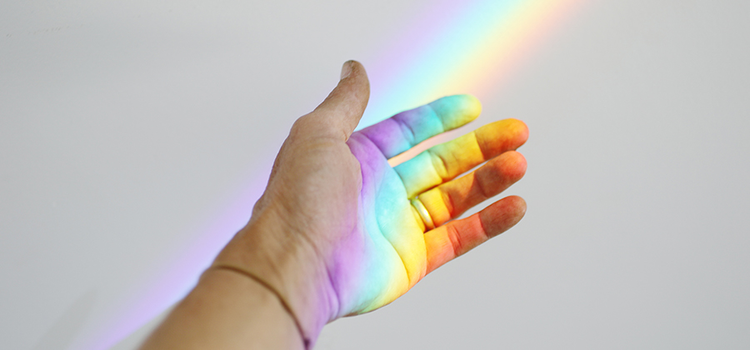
x=337 y=231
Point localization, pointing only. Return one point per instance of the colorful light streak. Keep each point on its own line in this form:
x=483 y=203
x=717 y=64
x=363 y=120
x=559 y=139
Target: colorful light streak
x=460 y=48
x=454 y=48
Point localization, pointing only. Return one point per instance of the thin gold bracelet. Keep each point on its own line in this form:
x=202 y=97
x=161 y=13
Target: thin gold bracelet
x=242 y=271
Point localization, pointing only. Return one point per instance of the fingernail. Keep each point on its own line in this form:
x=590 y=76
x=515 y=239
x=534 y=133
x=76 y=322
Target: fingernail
x=346 y=70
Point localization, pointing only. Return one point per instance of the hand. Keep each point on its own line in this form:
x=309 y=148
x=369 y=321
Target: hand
x=336 y=232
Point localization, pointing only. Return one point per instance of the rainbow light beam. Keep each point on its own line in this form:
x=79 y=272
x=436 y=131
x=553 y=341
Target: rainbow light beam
x=459 y=48
x=455 y=47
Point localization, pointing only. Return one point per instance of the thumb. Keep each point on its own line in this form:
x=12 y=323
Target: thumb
x=344 y=106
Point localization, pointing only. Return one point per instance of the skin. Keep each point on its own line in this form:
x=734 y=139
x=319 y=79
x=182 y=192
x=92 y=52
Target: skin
x=334 y=234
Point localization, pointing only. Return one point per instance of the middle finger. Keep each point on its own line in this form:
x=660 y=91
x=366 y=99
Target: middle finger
x=443 y=162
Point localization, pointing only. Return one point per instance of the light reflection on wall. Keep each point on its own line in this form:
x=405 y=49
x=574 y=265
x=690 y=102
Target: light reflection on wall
x=453 y=48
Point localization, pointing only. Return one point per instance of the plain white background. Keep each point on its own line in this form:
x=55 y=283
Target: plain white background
x=132 y=130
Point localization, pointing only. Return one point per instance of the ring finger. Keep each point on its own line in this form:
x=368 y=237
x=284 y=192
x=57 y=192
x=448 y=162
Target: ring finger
x=451 y=199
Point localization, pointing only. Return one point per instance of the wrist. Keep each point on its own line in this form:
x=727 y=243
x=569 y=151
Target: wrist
x=276 y=256
x=226 y=311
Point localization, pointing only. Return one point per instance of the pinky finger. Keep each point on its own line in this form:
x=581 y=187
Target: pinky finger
x=455 y=238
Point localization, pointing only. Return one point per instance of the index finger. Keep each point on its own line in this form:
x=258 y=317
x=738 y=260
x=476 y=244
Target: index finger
x=405 y=130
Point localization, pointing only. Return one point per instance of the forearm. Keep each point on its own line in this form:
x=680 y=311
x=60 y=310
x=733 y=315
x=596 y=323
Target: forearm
x=227 y=310
x=260 y=293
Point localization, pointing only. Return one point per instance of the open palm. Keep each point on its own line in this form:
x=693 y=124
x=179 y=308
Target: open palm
x=339 y=231
x=392 y=251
